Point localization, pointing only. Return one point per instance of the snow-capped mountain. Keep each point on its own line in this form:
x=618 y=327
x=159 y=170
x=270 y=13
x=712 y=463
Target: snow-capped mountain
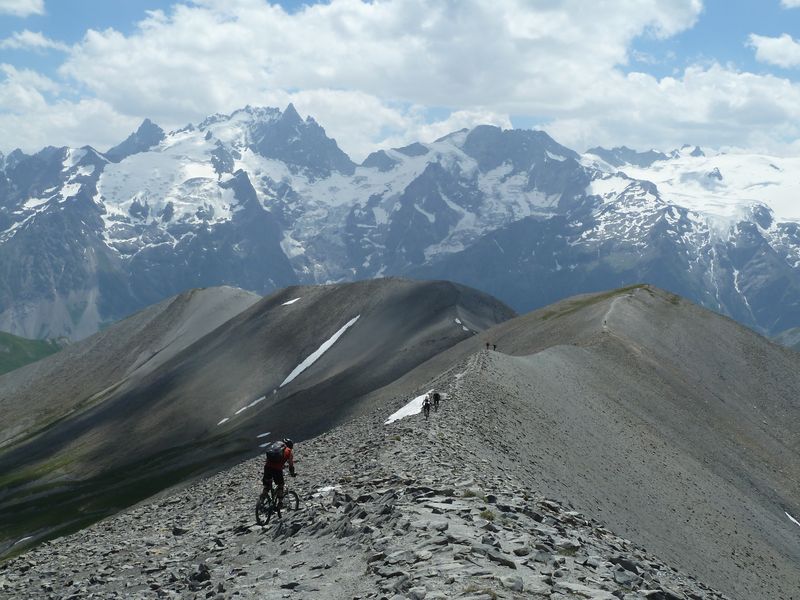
x=262 y=198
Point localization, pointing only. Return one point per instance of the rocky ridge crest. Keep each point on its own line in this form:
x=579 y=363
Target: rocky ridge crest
x=416 y=509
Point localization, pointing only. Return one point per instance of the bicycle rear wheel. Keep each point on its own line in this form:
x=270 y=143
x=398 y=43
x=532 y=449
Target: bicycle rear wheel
x=264 y=511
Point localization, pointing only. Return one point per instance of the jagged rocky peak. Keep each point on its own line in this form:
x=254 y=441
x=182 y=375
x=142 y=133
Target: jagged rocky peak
x=302 y=145
x=415 y=149
x=14 y=158
x=143 y=139
x=762 y=215
x=290 y=115
x=380 y=160
x=492 y=146
x=31 y=175
x=688 y=150
x=622 y=155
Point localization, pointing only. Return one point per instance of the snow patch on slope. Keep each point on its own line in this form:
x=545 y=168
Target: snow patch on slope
x=414 y=407
x=318 y=352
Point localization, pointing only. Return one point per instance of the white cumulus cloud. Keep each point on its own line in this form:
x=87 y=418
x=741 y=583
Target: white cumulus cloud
x=21 y=8
x=790 y=3
x=373 y=73
x=783 y=51
x=32 y=40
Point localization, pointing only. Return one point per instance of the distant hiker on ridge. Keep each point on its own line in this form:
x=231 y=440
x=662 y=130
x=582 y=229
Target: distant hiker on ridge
x=436 y=398
x=487 y=345
x=278 y=455
x=426 y=405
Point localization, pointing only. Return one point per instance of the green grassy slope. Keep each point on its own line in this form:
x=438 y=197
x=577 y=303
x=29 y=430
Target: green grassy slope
x=16 y=352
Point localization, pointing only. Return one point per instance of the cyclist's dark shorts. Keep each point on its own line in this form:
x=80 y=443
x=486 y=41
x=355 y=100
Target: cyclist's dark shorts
x=275 y=475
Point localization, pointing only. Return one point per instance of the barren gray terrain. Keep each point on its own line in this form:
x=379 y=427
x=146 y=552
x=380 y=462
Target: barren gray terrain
x=664 y=436
x=675 y=426
x=37 y=395
x=195 y=407
x=412 y=510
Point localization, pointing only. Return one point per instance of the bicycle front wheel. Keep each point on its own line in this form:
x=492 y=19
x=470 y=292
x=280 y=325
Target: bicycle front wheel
x=291 y=501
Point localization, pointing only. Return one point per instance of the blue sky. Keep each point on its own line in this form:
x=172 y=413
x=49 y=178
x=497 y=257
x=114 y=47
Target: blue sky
x=721 y=34
x=647 y=73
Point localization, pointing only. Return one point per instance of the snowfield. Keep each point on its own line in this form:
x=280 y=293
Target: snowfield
x=725 y=186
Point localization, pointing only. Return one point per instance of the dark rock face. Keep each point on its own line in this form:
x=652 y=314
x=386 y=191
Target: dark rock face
x=415 y=149
x=148 y=135
x=622 y=155
x=379 y=160
x=492 y=147
x=302 y=145
x=243 y=252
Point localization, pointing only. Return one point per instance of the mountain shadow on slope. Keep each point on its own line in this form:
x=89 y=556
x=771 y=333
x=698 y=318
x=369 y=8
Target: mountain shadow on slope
x=207 y=405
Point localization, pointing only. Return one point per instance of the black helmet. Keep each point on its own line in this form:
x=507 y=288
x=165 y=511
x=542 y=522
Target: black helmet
x=289 y=443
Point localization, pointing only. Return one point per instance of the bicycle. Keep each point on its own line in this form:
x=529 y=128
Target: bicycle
x=269 y=504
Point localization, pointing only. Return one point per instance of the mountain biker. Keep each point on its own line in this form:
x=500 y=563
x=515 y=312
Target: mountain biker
x=273 y=468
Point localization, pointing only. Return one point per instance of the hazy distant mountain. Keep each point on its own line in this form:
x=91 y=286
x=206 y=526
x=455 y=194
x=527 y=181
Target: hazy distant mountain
x=622 y=155
x=789 y=338
x=262 y=199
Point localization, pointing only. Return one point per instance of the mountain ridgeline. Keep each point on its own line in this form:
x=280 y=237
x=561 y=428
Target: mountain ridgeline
x=262 y=199
x=188 y=385
x=635 y=411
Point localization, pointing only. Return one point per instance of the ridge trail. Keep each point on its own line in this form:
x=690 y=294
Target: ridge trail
x=412 y=510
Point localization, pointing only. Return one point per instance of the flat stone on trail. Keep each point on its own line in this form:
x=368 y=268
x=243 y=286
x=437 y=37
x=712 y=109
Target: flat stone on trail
x=501 y=559
x=401 y=556
x=455 y=506
x=423 y=554
x=434 y=525
x=583 y=591
x=626 y=578
x=417 y=593
x=512 y=582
